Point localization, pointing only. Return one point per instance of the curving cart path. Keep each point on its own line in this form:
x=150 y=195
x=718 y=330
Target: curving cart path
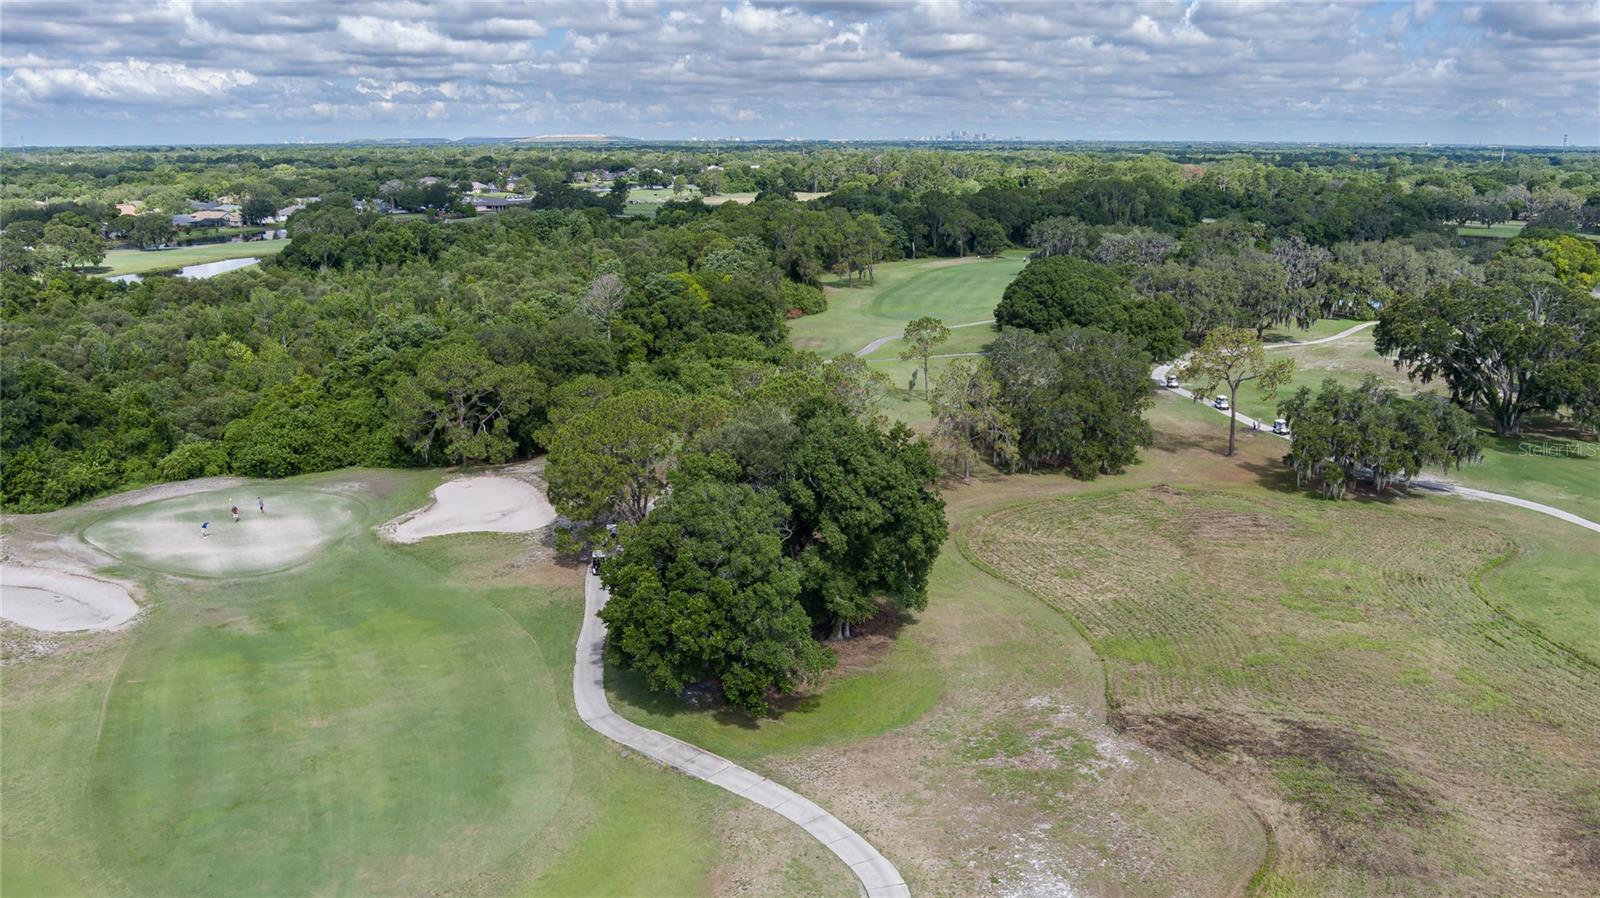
x=879 y=878
x=1437 y=486
x=877 y=344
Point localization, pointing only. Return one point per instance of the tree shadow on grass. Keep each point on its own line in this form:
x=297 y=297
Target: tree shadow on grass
x=870 y=640
x=1174 y=443
x=1279 y=478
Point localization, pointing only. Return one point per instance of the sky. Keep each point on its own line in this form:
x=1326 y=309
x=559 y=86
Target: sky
x=266 y=71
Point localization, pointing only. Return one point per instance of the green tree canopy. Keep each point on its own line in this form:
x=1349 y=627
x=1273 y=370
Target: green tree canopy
x=702 y=589
x=970 y=418
x=922 y=336
x=1234 y=356
x=462 y=406
x=1342 y=433
x=866 y=519
x=1516 y=343
x=1060 y=291
x=1077 y=397
x=612 y=459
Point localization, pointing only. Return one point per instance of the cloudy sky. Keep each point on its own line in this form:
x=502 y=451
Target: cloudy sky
x=162 y=71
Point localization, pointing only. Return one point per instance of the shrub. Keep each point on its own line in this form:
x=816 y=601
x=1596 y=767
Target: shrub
x=808 y=299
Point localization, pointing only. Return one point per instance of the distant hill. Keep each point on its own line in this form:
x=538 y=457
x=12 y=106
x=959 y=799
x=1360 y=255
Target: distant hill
x=445 y=141
x=399 y=141
x=577 y=138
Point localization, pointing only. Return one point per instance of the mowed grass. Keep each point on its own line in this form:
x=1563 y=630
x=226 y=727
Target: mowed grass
x=1504 y=231
x=956 y=291
x=138 y=261
x=1339 y=665
x=1322 y=327
x=646 y=200
x=382 y=720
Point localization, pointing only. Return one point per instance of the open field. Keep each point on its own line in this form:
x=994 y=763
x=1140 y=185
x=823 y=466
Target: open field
x=378 y=720
x=1322 y=327
x=646 y=200
x=957 y=291
x=138 y=261
x=801 y=196
x=1337 y=666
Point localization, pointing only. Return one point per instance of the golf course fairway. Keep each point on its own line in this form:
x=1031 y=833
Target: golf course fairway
x=353 y=718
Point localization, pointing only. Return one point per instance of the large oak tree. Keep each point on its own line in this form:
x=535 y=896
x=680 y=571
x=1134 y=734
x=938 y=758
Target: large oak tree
x=703 y=589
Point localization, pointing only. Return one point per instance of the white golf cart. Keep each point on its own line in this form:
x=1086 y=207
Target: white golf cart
x=1220 y=403
x=1280 y=427
x=1172 y=381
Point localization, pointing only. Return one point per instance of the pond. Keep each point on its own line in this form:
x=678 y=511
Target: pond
x=198 y=272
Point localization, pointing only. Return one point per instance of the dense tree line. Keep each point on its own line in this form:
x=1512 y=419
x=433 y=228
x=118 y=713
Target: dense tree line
x=409 y=342
x=368 y=326
x=1518 y=336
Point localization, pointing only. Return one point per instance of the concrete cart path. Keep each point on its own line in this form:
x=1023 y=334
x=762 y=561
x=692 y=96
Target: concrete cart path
x=879 y=878
x=877 y=344
x=1439 y=486
x=1293 y=344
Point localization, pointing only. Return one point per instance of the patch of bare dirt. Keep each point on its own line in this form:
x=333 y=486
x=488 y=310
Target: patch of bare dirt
x=1579 y=841
x=869 y=641
x=1345 y=792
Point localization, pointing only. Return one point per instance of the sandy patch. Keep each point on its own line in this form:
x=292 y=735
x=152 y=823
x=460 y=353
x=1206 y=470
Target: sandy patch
x=58 y=602
x=486 y=504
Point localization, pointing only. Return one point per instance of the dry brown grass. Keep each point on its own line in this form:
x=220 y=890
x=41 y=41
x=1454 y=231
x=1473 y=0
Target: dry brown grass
x=1334 y=665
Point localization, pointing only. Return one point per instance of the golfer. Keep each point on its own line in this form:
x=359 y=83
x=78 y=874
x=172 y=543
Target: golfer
x=234 y=509
x=205 y=530
x=261 y=504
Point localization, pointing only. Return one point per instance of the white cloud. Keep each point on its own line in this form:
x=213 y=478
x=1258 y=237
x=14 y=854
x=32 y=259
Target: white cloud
x=1150 y=68
x=133 y=81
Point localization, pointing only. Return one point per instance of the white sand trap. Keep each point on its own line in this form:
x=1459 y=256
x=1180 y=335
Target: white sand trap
x=42 y=599
x=485 y=504
x=166 y=536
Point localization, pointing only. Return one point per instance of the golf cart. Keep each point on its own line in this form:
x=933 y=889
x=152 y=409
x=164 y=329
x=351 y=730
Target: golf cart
x=1172 y=381
x=595 y=558
x=1220 y=403
x=1280 y=427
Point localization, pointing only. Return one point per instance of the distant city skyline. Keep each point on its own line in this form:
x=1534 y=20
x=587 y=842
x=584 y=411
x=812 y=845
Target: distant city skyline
x=1522 y=74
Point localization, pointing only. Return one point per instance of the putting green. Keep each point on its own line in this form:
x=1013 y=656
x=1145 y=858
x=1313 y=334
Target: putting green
x=166 y=535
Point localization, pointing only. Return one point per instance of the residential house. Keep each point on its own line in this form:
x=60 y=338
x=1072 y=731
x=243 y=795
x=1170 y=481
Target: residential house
x=128 y=208
x=490 y=205
x=213 y=218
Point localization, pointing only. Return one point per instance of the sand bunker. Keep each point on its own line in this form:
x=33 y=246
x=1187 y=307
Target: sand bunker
x=42 y=599
x=477 y=505
x=166 y=535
